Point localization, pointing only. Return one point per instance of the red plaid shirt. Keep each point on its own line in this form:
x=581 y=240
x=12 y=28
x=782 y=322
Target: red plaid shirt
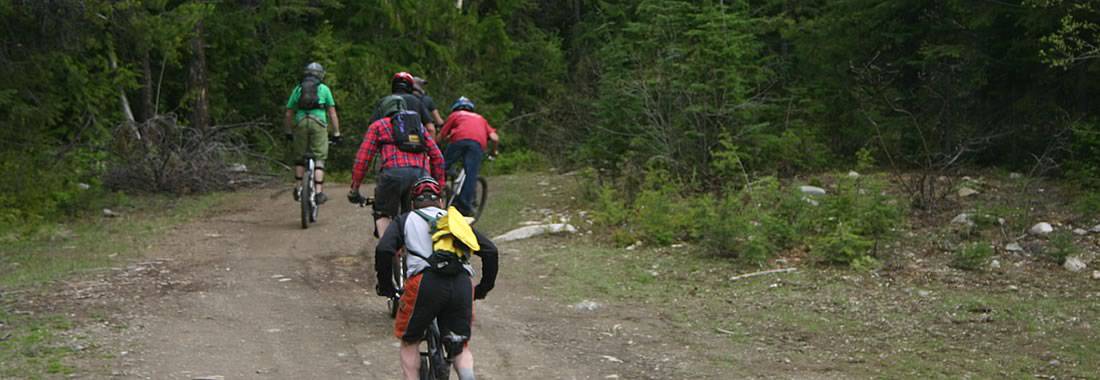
x=379 y=137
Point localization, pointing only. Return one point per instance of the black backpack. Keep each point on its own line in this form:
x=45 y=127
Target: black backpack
x=408 y=132
x=308 y=98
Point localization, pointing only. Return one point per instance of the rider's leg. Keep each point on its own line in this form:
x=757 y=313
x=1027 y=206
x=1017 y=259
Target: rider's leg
x=380 y=225
x=464 y=364
x=471 y=160
x=410 y=360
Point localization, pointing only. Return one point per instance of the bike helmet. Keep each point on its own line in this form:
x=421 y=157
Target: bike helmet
x=425 y=189
x=462 y=103
x=418 y=84
x=402 y=81
x=315 y=69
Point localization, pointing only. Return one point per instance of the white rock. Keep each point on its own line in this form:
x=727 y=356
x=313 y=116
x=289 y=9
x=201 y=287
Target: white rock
x=1095 y=228
x=811 y=201
x=1080 y=231
x=1096 y=275
x=587 y=305
x=532 y=231
x=108 y=213
x=995 y=264
x=853 y=174
x=966 y=192
x=1074 y=264
x=237 y=168
x=963 y=218
x=812 y=190
x=924 y=293
x=1015 y=175
x=83 y=186
x=215 y=377
x=1014 y=247
x=1041 y=229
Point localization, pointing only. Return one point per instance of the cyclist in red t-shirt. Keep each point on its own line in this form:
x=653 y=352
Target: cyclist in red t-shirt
x=466 y=134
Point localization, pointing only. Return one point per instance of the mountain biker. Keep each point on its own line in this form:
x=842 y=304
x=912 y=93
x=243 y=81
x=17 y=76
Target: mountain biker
x=431 y=293
x=402 y=85
x=309 y=110
x=466 y=134
x=429 y=103
x=399 y=169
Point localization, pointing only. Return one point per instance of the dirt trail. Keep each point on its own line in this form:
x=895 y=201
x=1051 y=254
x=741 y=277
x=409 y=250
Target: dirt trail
x=247 y=294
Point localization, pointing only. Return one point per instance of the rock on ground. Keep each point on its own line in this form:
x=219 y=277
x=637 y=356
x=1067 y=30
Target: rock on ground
x=532 y=231
x=1074 y=264
x=966 y=192
x=812 y=190
x=1041 y=229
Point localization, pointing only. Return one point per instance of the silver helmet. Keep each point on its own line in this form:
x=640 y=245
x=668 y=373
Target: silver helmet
x=315 y=69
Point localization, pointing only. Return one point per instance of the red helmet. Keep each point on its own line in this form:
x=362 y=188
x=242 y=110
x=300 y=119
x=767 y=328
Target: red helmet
x=425 y=186
x=402 y=80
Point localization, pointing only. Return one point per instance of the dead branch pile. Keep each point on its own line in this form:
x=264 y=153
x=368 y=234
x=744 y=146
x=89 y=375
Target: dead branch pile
x=161 y=155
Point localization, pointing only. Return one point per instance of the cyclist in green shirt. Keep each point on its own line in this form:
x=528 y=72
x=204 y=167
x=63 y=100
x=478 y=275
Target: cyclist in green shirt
x=309 y=111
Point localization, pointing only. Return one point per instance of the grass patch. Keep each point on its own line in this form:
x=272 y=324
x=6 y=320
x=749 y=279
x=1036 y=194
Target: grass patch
x=31 y=347
x=862 y=325
x=94 y=241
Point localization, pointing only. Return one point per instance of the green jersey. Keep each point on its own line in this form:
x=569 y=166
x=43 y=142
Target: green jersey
x=324 y=97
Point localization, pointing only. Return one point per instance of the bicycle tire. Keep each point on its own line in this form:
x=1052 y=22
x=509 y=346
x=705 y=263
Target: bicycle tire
x=305 y=198
x=397 y=275
x=481 y=195
x=425 y=369
x=437 y=359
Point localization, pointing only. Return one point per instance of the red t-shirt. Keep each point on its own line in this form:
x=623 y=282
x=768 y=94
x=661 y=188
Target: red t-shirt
x=466 y=125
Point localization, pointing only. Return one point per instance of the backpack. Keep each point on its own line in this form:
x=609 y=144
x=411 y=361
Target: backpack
x=308 y=99
x=452 y=241
x=408 y=132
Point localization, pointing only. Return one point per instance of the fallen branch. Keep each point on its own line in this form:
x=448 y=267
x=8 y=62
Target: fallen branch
x=754 y=274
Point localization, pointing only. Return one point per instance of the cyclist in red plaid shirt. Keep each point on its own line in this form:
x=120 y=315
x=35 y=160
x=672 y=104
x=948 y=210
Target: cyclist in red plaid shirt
x=399 y=171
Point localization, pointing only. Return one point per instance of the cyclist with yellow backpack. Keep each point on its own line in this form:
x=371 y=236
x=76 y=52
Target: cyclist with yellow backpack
x=439 y=284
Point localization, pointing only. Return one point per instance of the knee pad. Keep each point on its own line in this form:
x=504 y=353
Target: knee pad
x=465 y=374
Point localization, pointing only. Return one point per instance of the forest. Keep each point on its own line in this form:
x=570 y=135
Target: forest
x=706 y=95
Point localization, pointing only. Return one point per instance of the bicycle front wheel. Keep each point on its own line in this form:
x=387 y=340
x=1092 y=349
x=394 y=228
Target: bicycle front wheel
x=397 y=275
x=480 y=196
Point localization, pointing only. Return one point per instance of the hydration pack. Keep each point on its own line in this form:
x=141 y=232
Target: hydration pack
x=409 y=133
x=308 y=99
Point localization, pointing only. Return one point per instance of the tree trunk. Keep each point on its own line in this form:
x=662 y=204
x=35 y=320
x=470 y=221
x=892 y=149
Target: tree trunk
x=200 y=103
x=147 y=111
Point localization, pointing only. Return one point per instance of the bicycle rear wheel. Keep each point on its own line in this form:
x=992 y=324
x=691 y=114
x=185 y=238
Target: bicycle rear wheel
x=306 y=197
x=436 y=357
x=480 y=196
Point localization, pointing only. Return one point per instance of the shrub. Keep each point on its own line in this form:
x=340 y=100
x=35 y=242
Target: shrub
x=512 y=162
x=842 y=245
x=1087 y=206
x=972 y=256
x=1061 y=247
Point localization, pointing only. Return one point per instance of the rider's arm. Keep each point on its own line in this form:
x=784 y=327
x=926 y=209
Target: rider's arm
x=435 y=161
x=496 y=141
x=366 y=152
x=489 y=259
x=447 y=126
x=334 y=120
x=392 y=240
x=436 y=118
x=288 y=120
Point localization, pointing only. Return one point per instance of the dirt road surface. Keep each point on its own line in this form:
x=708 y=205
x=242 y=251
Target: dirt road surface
x=245 y=293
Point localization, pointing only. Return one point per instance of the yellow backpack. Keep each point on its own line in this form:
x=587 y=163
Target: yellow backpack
x=452 y=241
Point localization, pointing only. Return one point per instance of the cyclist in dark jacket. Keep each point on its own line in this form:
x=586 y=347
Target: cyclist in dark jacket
x=402 y=85
x=431 y=293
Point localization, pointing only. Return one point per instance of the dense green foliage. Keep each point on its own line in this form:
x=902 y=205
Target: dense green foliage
x=713 y=94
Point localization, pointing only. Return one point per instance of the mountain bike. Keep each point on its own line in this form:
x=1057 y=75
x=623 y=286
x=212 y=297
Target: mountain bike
x=397 y=271
x=436 y=360
x=454 y=189
x=307 y=192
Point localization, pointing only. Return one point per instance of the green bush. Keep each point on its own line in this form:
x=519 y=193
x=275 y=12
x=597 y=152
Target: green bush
x=972 y=256
x=512 y=162
x=1087 y=206
x=843 y=245
x=1061 y=247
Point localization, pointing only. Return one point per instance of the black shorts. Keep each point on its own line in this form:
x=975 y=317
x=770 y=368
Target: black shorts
x=392 y=192
x=427 y=296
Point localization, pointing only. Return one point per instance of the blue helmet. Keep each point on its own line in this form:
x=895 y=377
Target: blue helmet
x=462 y=103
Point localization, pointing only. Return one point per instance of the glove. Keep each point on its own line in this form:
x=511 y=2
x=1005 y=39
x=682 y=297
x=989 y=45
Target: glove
x=355 y=197
x=335 y=140
x=480 y=291
x=384 y=289
x=288 y=136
